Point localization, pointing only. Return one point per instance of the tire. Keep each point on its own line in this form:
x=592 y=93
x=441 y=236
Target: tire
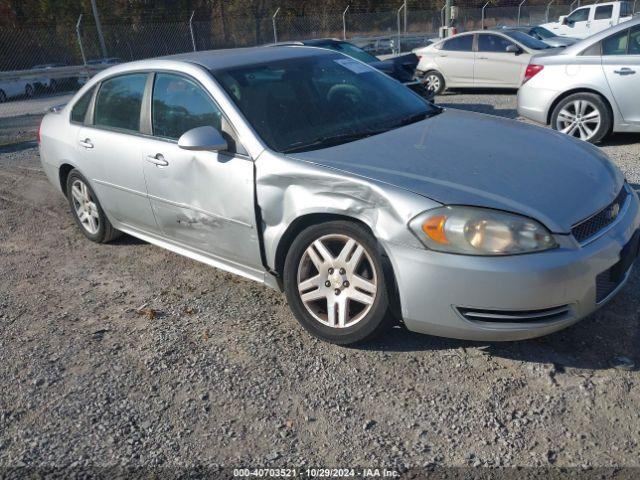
x=53 y=86
x=3 y=96
x=582 y=115
x=86 y=210
x=28 y=91
x=434 y=81
x=353 y=284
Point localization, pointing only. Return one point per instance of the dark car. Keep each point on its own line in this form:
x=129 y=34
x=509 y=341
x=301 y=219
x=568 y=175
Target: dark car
x=402 y=67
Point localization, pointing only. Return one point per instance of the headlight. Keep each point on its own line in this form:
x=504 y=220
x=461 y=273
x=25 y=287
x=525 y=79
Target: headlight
x=480 y=231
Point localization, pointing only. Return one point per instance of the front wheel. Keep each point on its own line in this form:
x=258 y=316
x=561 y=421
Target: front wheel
x=335 y=283
x=582 y=115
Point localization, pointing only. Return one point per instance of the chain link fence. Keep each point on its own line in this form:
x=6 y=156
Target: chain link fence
x=41 y=67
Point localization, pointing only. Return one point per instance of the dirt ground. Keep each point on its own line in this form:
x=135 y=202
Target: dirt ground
x=126 y=355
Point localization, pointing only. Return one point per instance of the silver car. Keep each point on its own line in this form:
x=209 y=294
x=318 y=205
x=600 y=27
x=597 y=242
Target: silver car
x=483 y=59
x=590 y=89
x=313 y=173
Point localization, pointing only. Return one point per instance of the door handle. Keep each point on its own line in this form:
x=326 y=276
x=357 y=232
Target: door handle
x=158 y=160
x=442 y=54
x=86 y=143
x=624 y=71
x=483 y=58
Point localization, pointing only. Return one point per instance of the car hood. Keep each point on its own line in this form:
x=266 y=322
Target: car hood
x=464 y=158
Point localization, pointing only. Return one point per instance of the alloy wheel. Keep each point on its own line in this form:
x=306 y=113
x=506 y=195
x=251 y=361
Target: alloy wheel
x=579 y=118
x=85 y=207
x=337 y=281
x=432 y=82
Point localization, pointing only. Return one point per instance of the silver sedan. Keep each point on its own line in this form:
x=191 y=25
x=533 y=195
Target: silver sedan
x=313 y=173
x=590 y=89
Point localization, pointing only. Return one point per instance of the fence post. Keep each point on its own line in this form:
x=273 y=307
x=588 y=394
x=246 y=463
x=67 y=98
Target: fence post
x=84 y=59
x=275 y=31
x=344 y=23
x=96 y=16
x=519 y=9
x=634 y=6
x=405 y=16
x=548 y=8
x=442 y=15
x=482 y=21
x=398 y=47
x=193 y=37
x=571 y=5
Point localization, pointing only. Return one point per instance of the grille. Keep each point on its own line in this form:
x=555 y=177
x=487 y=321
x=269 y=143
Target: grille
x=515 y=316
x=605 y=285
x=605 y=217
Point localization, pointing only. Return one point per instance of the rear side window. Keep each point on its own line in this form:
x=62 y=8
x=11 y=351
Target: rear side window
x=180 y=105
x=79 y=110
x=493 y=43
x=616 y=44
x=119 y=101
x=604 y=12
x=462 y=43
x=593 y=50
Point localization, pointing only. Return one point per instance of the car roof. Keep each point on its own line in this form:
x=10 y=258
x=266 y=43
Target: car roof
x=238 y=57
x=576 y=48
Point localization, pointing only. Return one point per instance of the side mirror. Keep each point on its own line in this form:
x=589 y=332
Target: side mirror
x=202 y=139
x=514 y=49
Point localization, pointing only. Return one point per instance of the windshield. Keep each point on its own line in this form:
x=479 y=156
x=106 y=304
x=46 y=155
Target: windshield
x=351 y=50
x=308 y=103
x=543 y=32
x=527 y=40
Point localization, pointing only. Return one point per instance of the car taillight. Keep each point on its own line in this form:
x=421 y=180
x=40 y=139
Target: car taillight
x=531 y=71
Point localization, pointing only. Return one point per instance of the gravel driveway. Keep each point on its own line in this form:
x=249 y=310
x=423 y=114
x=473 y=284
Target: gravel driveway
x=127 y=355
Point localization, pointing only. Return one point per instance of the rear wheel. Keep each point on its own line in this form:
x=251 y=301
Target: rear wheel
x=582 y=115
x=434 y=82
x=335 y=283
x=87 y=211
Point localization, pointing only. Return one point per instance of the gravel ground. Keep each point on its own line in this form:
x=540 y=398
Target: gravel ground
x=127 y=355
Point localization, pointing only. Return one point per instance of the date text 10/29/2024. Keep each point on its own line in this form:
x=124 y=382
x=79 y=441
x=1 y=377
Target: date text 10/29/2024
x=316 y=472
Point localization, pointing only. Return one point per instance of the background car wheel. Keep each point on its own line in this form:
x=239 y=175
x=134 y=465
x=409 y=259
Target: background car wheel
x=582 y=115
x=434 y=82
x=335 y=283
x=3 y=96
x=28 y=91
x=53 y=86
x=87 y=210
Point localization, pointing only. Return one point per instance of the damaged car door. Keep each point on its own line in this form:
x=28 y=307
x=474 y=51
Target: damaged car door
x=202 y=198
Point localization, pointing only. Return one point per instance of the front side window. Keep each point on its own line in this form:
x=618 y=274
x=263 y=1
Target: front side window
x=463 y=43
x=616 y=44
x=580 y=15
x=605 y=12
x=320 y=100
x=79 y=110
x=119 y=101
x=493 y=43
x=180 y=105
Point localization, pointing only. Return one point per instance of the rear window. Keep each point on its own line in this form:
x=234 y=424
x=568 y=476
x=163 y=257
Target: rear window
x=79 y=110
x=119 y=101
x=463 y=43
x=604 y=12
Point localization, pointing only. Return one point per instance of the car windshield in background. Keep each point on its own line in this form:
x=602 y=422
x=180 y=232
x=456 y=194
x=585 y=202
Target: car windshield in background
x=527 y=40
x=318 y=101
x=543 y=32
x=351 y=50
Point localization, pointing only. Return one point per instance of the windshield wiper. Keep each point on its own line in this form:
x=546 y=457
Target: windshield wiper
x=332 y=140
x=416 y=117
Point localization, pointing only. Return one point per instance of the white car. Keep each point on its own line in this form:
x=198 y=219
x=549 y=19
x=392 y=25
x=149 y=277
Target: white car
x=482 y=59
x=12 y=88
x=591 y=19
x=590 y=89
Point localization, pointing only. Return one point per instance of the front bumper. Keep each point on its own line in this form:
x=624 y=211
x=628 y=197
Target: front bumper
x=434 y=286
